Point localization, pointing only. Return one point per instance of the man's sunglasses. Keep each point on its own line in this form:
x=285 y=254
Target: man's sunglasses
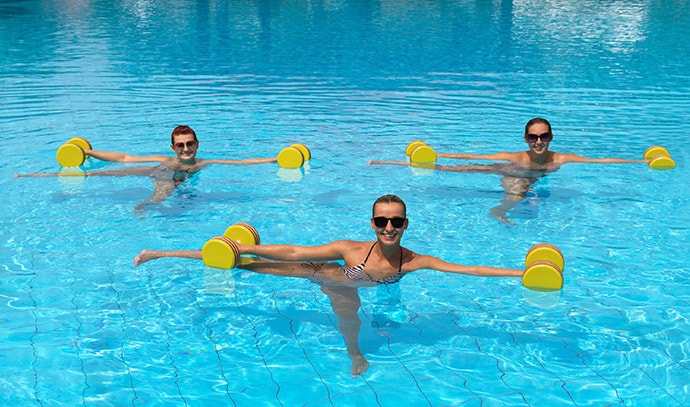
x=188 y=144
x=545 y=137
x=382 y=222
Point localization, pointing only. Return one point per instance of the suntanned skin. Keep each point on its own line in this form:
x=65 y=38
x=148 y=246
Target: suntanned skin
x=170 y=172
x=521 y=169
x=538 y=156
x=319 y=264
x=184 y=159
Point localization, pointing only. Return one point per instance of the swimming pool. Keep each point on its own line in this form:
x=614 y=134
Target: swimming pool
x=354 y=81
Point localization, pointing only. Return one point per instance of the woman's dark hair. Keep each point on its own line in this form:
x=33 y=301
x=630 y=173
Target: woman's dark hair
x=535 y=121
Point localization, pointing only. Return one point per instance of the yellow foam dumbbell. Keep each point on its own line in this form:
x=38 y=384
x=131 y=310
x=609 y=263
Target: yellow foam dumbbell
x=294 y=156
x=544 y=265
x=71 y=154
x=421 y=154
x=659 y=158
x=222 y=252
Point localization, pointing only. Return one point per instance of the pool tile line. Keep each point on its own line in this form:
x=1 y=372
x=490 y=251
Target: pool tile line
x=542 y=364
x=583 y=357
x=597 y=373
x=168 y=336
x=384 y=333
x=216 y=346
x=654 y=344
x=440 y=352
x=301 y=346
x=637 y=333
x=257 y=346
x=455 y=319
x=123 y=327
x=32 y=337
x=332 y=319
x=78 y=338
x=652 y=379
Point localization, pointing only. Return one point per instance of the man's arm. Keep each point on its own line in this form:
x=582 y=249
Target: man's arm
x=114 y=156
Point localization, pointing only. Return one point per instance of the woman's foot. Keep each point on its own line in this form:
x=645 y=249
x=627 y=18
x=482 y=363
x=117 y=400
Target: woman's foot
x=144 y=256
x=359 y=365
x=502 y=217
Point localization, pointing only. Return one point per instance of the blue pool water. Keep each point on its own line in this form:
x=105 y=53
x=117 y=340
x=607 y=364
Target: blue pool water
x=353 y=80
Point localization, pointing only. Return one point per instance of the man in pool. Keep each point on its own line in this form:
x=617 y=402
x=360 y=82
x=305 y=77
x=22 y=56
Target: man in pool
x=523 y=168
x=366 y=264
x=170 y=172
x=184 y=144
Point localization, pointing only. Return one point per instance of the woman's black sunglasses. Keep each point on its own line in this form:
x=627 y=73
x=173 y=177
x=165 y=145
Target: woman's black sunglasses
x=382 y=222
x=545 y=137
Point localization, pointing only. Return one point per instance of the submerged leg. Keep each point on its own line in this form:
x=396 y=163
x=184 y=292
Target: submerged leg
x=142 y=171
x=473 y=168
x=161 y=191
x=345 y=302
x=515 y=191
x=500 y=211
x=315 y=271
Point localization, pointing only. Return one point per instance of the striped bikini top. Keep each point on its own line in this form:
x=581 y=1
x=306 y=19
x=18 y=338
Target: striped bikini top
x=357 y=272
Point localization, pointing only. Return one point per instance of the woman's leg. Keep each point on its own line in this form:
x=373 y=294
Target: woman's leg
x=473 y=168
x=148 y=255
x=345 y=302
x=515 y=190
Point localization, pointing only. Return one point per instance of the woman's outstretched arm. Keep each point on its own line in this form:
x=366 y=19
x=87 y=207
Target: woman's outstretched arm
x=434 y=263
x=242 y=162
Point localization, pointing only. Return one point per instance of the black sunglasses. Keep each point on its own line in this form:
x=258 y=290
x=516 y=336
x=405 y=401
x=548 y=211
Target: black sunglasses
x=188 y=144
x=382 y=222
x=545 y=137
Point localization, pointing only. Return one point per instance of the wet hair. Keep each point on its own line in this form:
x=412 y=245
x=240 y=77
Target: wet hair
x=535 y=121
x=389 y=198
x=182 y=130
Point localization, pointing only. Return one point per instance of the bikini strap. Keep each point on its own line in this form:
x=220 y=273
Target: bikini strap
x=369 y=254
x=401 y=258
x=371 y=249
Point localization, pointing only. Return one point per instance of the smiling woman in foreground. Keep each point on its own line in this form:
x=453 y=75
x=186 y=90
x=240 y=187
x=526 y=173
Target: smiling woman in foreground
x=366 y=264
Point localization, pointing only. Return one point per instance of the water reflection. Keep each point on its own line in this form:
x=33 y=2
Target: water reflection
x=376 y=40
